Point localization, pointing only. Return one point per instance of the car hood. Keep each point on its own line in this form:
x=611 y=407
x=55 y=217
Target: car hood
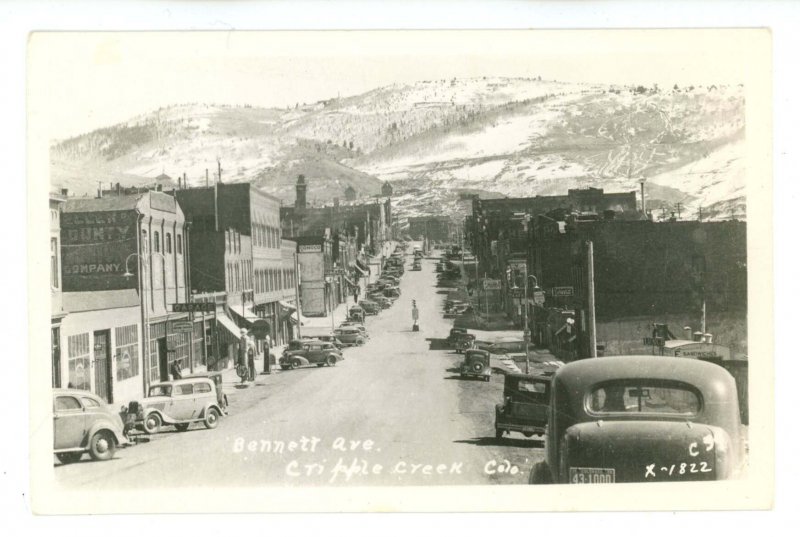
x=158 y=400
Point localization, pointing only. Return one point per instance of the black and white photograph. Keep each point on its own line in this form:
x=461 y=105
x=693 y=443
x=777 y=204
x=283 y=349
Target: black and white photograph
x=379 y=270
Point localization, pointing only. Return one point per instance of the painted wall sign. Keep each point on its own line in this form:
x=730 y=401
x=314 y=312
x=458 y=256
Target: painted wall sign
x=309 y=248
x=94 y=248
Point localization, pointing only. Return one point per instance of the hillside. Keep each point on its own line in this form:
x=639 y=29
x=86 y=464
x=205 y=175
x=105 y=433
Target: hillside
x=434 y=140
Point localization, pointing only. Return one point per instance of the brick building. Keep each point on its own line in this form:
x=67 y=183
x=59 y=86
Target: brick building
x=645 y=272
x=123 y=265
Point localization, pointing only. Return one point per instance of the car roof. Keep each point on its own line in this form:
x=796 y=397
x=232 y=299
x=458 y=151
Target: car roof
x=76 y=393
x=703 y=375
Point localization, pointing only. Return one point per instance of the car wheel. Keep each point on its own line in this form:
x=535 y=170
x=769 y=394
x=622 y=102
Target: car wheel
x=152 y=423
x=330 y=361
x=359 y=342
x=102 y=446
x=296 y=363
x=182 y=427
x=320 y=364
x=540 y=475
x=527 y=435
x=212 y=418
x=69 y=457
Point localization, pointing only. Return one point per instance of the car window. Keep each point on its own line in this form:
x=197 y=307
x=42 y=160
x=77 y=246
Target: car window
x=88 y=402
x=202 y=387
x=159 y=390
x=67 y=403
x=652 y=398
x=532 y=386
x=183 y=389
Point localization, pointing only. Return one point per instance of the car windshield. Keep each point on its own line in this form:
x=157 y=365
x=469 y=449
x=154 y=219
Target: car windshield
x=644 y=397
x=160 y=389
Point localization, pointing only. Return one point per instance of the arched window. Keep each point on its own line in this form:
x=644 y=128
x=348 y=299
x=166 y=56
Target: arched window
x=168 y=243
x=156 y=242
x=179 y=244
x=144 y=240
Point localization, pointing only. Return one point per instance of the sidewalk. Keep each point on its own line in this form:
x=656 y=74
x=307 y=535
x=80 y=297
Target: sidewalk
x=312 y=324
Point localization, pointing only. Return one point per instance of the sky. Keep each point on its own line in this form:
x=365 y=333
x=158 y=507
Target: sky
x=80 y=81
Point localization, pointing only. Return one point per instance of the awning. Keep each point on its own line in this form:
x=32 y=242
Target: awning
x=249 y=316
x=228 y=324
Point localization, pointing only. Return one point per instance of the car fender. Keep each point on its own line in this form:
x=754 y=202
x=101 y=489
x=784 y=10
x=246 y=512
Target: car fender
x=215 y=407
x=107 y=425
x=164 y=418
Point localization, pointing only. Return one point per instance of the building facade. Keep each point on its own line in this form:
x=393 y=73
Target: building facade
x=431 y=228
x=124 y=264
x=57 y=312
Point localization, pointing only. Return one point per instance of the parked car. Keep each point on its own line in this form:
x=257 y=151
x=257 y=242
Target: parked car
x=327 y=338
x=454 y=334
x=216 y=378
x=526 y=400
x=476 y=364
x=311 y=352
x=356 y=313
x=641 y=419
x=370 y=307
x=180 y=403
x=392 y=292
x=84 y=423
x=358 y=326
x=381 y=300
x=349 y=335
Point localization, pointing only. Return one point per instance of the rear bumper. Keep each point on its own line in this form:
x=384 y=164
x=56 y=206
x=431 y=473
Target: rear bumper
x=519 y=427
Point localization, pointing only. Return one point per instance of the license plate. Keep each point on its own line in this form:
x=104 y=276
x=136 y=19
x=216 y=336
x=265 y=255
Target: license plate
x=591 y=476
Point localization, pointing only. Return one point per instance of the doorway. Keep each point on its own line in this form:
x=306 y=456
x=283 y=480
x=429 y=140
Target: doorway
x=163 y=365
x=55 y=342
x=102 y=366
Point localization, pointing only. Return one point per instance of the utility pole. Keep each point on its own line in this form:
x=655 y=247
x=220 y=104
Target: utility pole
x=590 y=290
x=526 y=334
x=206 y=177
x=678 y=207
x=699 y=214
x=219 y=171
x=297 y=291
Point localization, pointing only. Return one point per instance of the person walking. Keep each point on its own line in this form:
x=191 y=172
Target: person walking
x=175 y=369
x=414 y=316
x=267 y=345
x=251 y=363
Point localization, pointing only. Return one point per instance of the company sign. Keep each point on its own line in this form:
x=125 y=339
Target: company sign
x=94 y=248
x=491 y=285
x=309 y=248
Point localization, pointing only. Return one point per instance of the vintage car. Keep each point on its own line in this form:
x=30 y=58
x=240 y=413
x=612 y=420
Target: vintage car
x=392 y=292
x=476 y=364
x=310 y=352
x=180 y=403
x=641 y=419
x=84 y=423
x=354 y=324
x=464 y=342
x=381 y=301
x=349 y=335
x=370 y=307
x=356 y=313
x=526 y=400
x=454 y=334
x=416 y=266
x=216 y=378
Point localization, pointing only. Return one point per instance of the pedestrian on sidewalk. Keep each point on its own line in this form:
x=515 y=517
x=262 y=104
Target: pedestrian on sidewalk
x=251 y=363
x=176 y=370
x=414 y=316
x=267 y=346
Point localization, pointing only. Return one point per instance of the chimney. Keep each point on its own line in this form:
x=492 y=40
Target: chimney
x=184 y=180
x=65 y=192
x=119 y=190
x=159 y=188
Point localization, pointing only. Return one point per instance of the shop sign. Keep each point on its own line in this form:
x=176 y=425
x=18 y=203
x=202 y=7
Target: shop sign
x=562 y=291
x=194 y=307
x=491 y=285
x=309 y=248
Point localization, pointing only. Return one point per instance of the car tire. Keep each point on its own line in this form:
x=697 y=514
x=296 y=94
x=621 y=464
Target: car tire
x=320 y=364
x=359 y=342
x=540 y=474
x=69 y=457
x=284 y=367
x=330 y=361
x=152 y=423
x=211 y=419
x=182 y=427
x=527 y=435
x=102 y=446
x=296 y=363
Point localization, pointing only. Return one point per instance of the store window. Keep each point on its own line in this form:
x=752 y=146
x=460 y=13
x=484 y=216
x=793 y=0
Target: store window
x=79 y=362
x=126 y=354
